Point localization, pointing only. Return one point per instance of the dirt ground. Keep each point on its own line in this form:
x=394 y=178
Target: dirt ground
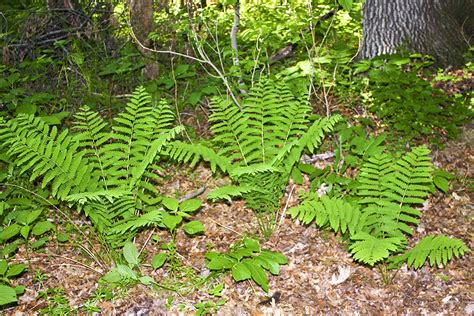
x=320 y=278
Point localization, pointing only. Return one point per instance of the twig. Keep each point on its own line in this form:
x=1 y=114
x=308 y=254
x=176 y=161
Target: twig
x=192 y=195
x=233 y=43
x=204 y=60
x=226 y=227
x=283 y=213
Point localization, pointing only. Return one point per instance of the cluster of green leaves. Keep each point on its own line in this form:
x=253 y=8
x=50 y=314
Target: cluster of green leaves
x=8 y=294
x=352 y=146
x=128 y=271
x=378 y=219
x=23 y=218
x=106 y=173
x=397 y=95
x=247 y=261
x=259 y=143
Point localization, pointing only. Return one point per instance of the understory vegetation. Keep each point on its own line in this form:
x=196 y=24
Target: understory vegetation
x=89 y=142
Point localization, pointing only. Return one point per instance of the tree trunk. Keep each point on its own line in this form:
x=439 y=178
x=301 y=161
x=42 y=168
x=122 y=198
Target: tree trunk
x=441 y=28
x=141 y=20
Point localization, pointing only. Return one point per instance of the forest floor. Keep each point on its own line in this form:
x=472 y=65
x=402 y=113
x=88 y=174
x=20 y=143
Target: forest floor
x=321 y=277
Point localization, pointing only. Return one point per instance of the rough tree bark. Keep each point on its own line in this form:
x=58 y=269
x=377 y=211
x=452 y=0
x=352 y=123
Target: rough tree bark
x=141 y=20
x=441 y=28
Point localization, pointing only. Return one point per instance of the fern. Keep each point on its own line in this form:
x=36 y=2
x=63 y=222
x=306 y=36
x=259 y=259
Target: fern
x=439 y=249
x=369 y=249
x=259 y=144
x=47 y=154
x=387 y=191
x=106 y=173
x=336 y=213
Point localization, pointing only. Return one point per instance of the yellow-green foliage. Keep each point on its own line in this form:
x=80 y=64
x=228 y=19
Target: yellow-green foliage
x=259 y=143
x=107 y=173
x=381 y=216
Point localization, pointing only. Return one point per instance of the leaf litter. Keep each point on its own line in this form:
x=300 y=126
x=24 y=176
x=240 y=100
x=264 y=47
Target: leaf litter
x=320 y=278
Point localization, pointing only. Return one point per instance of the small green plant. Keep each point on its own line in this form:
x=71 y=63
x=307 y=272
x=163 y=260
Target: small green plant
x=409 y=104
x=58 y=303
x=8 y=293
x=107 y=174
x=208 y=307
x=128 y=272
x=378 y=219
x=247 y=261
x=175 y=212
x=259 y=143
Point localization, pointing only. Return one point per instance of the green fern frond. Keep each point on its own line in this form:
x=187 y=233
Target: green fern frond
x=192 y=153
x=91 y=138
x=253 y=169
x=410 y=179
x=134 y=130
x=333 y=212
x=371 y=176
x=315 y=134
x=260 y=143
x=269 y=188
x=370 y=249
x=98 y=196
x=229 y=127
x=155 y=148
x=439 y=249
x=152 y=217
x=227 y=192
x=48 y=154
x=105 y=174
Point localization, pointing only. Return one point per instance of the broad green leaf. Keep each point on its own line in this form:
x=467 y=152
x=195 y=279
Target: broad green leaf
x=9 y=249
x=346 y=4
x=113 y=276
x=240 y=253
x=441 y=183
x=32 y=216
x=39 y=243
x=194 y=98
x=171 y=221
x=126 y=272
x=130 y=253
x=252 y=244
x=158 y=260
x=217 y=290
x=3 y=267
x=25 y=231
x=191 y=205
x=10 y=231
x=42 y=227
x=258 y=274
x=15 y=270
x=7 y=295
x=27 y=108
x=146 y=280
x=240 y=272
x=19 y=289
x=220 y=262
x=297 y=176
x=193 y=227
x=62 y=237
x=170 y=203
